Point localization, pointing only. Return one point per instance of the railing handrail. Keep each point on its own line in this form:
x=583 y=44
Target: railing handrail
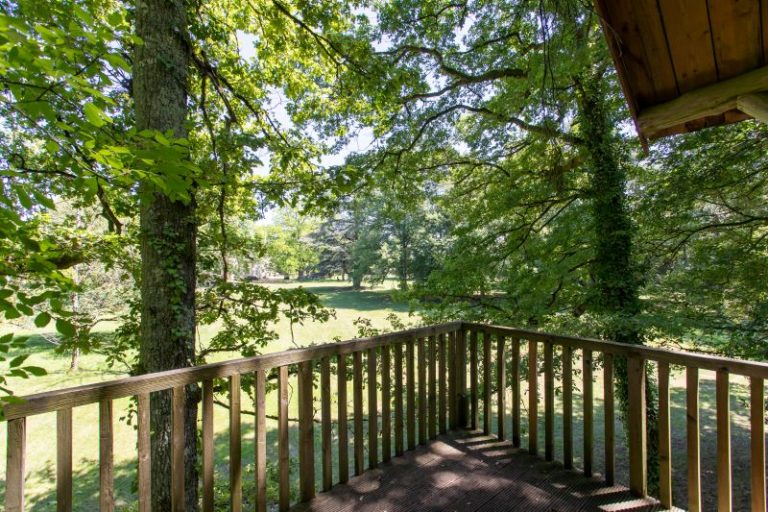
x=85 y=394
x=681 y=358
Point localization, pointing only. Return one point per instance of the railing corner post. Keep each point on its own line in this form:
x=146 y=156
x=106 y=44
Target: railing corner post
x=637 y=426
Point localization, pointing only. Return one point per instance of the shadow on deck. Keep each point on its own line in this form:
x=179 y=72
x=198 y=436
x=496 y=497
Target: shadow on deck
x=469 y=471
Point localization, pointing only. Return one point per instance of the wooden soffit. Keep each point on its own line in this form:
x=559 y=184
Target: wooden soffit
x=689 y=64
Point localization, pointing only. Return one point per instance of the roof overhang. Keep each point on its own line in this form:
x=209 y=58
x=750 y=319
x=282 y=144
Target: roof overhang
x=689 y=64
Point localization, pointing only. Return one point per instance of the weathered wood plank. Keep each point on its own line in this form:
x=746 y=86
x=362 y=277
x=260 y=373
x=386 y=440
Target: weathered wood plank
x=341 y=391
x=487 y=384
x=442 y=403
x=533 y=398
x=178 y=397
x=757 y=431
x=106 y=458
x=235 y=446
x=549 y=402
x=325 y=422
x=432 y=389
x=567 y=407
x=636 y=423
x=723 y=413
x=15 y=465
x=610 y=419
x=208 y=453
x=515 y=392
x=589 y=407
x=64 y=460
x=692 y=428
x=737 y=41
x=283 y=449
x=410 y=395
x=386 y=403
x=399 y=423
x=756 y=105
x=452 y=383
x=357 y=409
x=260 y=425
x=144 y=489
x=306 y=433
x=422 y=373
x=665 y=439
x=473 y=380
x=501 y=388
x=461 y=374
x=373 y=412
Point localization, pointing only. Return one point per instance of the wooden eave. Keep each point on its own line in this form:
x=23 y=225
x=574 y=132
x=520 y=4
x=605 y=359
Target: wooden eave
x=685 y=65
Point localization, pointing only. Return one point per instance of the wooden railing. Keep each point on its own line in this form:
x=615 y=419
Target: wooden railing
x=420 y=383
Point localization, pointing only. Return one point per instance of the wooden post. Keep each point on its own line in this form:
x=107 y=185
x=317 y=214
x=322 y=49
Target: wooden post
x=260 y=425
x=235 y=451
x=757 y=428
x=282 y=440
x=64 y=460
x=306 y=434
x=341 y=391
x=722 y=392
x=473 y=380
x=432 y=389
x=177 y=449
x=533 y=398
x=422 y=372
x=15 y=465
x=386 y=404
x=608 y=403
x=461 y=363
x=501 y=387
x=692 y=428
x=442 y=403
x=373 y=412
x=549 y=402
x=453 y=408
x=357 y=407
x=399 y=399
x=410 y=396
x=487 y=384
x=106 y=458
x=145 y=458
x=515 y=392
x=636 y=424
x=326 y=425
x=568 y=407
x=665 y=438
x=588 y=403
x=208 y=453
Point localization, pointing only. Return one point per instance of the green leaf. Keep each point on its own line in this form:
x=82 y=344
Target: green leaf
x=18 y=360
x=42 y=319
x=35 y=370
x=65 y=327
x=94 y=115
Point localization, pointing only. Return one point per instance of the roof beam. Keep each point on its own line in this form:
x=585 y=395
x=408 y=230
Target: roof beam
x=756 y=105
x=706 y=101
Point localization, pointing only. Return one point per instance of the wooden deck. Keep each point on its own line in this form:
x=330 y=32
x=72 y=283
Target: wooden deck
x=463 y=472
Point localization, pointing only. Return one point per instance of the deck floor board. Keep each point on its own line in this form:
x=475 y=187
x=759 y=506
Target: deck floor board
x=470 y=472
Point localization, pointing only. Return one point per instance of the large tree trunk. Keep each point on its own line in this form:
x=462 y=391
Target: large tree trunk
x=168 y=231
x=615 y=274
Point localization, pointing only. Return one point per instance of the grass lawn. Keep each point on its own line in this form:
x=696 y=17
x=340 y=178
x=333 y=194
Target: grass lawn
x=349 y=305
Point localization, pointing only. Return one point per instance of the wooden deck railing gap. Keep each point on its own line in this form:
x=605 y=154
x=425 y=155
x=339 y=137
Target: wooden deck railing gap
x=407 y=388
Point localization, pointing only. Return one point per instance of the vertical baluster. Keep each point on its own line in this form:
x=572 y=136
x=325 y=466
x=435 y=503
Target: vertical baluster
x=64 y=460
x=608 y=404
x=342 y=420
x=422 y=371
x=533 y=398
x=636 y=421
x=178 y=397
x=665 y=439
x=386 y=401
x=461 y=363
x=757 y=430
x=473 y=384
x=432 y=389
x=306 y=433
x=442 y=385
x=373 y=412
x=260 y=425
x=501 y=387
x=325 y=419
x=208 y=463
x=357 y=367
x=549 y=402
x=515 y=392
x=145 y=461
x=235 y=452
x=283 y=439
x=588 y=402
x=487 y=384
x=568 y=407
x=399 y=399
x=722 y=392
x=15 y=465
x=106 y=458
x=452 y=381
x=692 y=428
x=410 y=395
